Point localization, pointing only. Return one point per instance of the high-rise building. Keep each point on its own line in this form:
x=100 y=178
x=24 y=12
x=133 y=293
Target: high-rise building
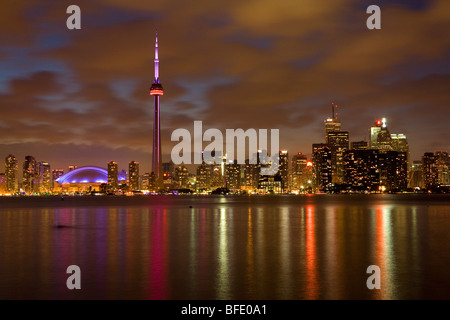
x=321 y=167
x=168 y=174
x=333 y=123
x=203 y=178
x=145 y=181
x=443 y=167
x=71 y=168
x=30 y=175
x=156 y=90
x=233 y=175
x=374 y=134
x=338 y=142
x=361 y=170
x=430 y=170
x=45 y=178
x=283 y=170
x=415 y=175
x=56 y=173
x=133 y=175
x=113 y=176
x=250 y=177
x=298 y=163
x=181 y=180
x=393 y=168
x=11 y=172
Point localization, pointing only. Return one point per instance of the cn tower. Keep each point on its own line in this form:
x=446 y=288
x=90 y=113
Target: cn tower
x=156 y=90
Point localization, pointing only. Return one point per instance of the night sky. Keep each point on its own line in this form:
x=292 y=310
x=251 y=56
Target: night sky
x=81 y=96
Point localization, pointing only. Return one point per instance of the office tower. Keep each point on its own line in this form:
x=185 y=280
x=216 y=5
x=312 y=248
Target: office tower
x=430 y=170
x=133 y=175
x=443 y=166
x=156 y=90
x=374 y=134
x=393 y=167
x=338 y=142
x=56 y=173
x=168 y=174
x=415 y=175
x=321 y=167
x=181 y=180
x=203 y=178
x=359 y=145
x=45 y=177
x=113 y=176
x=217 y=179
x=283 y=170
x=11 y=172
x=333 y=123
x=30 y=175
x=145 y=181
x=400 y=143
x=233 y=175
x=71 y=168
x=298 y=163
x=361 y=170
x=250 y=178
x=384 y=140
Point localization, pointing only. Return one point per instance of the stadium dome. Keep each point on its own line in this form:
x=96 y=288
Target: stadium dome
x=88 y=175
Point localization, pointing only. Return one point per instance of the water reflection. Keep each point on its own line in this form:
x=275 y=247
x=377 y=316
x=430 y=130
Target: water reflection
x=220 y=250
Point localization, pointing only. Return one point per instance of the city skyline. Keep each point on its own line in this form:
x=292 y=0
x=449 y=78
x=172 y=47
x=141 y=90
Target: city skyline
x=78 y=96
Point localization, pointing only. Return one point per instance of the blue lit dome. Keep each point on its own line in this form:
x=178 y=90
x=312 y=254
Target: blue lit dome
x=88 y=175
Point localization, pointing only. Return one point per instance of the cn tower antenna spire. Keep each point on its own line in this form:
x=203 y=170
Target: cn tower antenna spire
x=156 y=59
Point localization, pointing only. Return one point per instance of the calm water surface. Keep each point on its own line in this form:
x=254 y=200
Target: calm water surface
x=233 y=247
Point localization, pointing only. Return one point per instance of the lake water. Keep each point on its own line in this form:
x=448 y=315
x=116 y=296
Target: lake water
x=226 y=247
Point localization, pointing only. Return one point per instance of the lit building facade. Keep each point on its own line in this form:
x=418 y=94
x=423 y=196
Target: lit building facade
x=430 y=170
x=361 y=170
x=30 y=175
x=113 y=176
x=11 y=173
x=338 y=142
x=321 y=158
x=45 y=178
x=133 y=176
x=283 y=170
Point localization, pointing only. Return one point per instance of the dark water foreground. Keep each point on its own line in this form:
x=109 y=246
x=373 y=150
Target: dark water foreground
x=226 y=247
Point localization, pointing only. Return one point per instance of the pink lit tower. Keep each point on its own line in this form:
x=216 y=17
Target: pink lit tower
x=156 y=90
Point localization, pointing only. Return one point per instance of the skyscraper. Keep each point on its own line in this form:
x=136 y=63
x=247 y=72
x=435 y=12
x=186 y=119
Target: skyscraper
x=45 y=177
x=321 y=167
x=374 y=134
x=11 y=170
x=181 y=177
x=430 y=170
x=283 y=170
x=338 y=142
x=393 y=168
x=156 y=90
x=298 y=163
x=233 y=175
x=361 y=169
x=133 y=175
x=113 y=175
x=29 y=174
x=333 y=123
x=56 y=173
x=443 y=167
